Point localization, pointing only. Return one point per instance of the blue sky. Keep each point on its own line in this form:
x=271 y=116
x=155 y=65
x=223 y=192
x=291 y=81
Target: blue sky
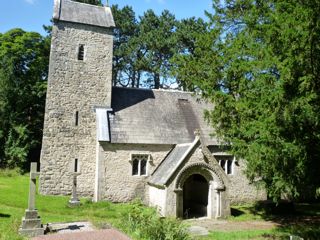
x=30 y=15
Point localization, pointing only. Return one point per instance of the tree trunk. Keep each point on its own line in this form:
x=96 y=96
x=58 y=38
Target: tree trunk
x=156 y=80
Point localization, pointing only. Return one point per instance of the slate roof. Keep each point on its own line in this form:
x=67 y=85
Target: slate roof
x=143 y=116
x=70 y=11
x=169 y=165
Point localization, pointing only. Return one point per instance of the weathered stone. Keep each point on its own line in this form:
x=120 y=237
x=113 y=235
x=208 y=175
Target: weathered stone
x=145 y=122
x=74 y=201
x=68 y=92
x=31 y=214
x=198 y=231
x=31 y=223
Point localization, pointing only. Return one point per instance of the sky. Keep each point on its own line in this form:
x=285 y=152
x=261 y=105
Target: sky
x=31 y=15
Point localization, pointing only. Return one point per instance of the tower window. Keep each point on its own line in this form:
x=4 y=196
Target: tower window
x=81 y=52
x=76 y=165
x=76 y=120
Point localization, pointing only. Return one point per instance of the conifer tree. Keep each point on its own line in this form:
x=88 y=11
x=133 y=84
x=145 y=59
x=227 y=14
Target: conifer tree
x=260 y=66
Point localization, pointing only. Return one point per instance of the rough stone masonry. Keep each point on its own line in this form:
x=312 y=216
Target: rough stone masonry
x=129 y=143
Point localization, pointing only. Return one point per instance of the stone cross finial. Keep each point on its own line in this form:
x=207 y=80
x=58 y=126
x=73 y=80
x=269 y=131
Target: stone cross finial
x=197 y=132
x=31 y=223
x=32 y=187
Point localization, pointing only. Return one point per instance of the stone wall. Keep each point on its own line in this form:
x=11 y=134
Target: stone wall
x=240 y=188
x=241 y=191
x=118 y=184
x=74 y=86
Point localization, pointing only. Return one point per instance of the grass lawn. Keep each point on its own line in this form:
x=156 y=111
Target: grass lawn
x=304 y=222
x=14 y=195
x=13 y=202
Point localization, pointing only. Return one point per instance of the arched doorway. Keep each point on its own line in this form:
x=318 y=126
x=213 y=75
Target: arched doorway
x=195 y=196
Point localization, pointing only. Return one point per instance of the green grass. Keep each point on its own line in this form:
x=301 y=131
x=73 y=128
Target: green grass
x=242 y=235
x=133 y=218
x=13 y=202
x=304 y=222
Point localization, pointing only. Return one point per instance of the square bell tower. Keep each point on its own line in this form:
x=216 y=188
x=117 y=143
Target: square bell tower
x=80 y=80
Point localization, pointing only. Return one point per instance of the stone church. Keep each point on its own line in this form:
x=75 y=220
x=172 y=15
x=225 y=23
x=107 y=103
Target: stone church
x=128 y=143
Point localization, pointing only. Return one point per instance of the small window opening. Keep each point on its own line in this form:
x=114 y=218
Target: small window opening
x=77 y=118
x=135 y=167
x=143 y=167
x=76 y=165
x=229 y=167
x=139 y=164
x=223 y=164
x=226 y=163
x=81 y=52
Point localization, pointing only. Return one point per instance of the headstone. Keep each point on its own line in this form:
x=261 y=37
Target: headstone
x=31 y=223
x=74 y=201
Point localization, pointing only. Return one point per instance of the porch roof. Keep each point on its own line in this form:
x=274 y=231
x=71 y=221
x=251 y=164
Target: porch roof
x=170 y=164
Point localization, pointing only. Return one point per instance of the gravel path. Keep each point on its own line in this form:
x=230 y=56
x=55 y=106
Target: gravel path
x=107 y=234
x=80 y=231
x=224 y=225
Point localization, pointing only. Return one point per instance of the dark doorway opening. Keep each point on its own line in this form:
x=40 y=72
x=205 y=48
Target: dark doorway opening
x=195 y=197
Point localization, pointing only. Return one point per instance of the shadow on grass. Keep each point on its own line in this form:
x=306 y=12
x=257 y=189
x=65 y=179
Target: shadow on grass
x=297 y=219
x=236 y=212
x=4 y=215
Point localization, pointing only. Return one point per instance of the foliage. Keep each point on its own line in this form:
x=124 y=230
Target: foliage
x=259 y=65
x=129 y=217
x=126 y=48
x=24 y=58
x=93 y=2
x=13 y=202
x=144 y=47
x=6 y=172
x=147 y=225
x=158 y=38
x=187 y=32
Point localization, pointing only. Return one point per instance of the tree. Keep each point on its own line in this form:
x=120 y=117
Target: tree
x=187 y=31
x=157 y=35
x=93 y=2
x=260 y=66
x=24 y=58
x=143 y=49
x=126 y=48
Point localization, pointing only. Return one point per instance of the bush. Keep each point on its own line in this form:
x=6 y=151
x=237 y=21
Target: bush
x=147 y=225
x=10 y=172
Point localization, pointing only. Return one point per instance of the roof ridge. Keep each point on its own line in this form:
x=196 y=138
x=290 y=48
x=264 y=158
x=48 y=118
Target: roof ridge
x=155 y=90
x=87 y=4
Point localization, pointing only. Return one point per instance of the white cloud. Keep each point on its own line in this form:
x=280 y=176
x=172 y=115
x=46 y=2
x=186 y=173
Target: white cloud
x=30 y=1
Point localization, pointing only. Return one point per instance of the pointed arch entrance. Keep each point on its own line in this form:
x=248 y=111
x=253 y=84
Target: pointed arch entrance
x=195 y=196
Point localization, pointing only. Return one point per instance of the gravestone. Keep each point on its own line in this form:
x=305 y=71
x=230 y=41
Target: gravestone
x=74 y=201
x=31 y=222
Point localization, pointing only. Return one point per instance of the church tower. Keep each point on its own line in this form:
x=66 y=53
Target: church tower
x=79 y=83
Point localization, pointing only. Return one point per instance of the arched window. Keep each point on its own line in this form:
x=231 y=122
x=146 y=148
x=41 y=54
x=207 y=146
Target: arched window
x=226 y=163
x=143 y=167
x=139 y=164
x=81 y=52
x=135 y=167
